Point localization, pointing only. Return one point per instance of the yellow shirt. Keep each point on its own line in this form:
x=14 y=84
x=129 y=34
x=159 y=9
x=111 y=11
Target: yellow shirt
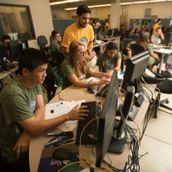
x=155 y=26
x=84 y=35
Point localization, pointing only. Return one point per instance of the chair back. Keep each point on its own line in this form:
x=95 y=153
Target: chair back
x=42 y=41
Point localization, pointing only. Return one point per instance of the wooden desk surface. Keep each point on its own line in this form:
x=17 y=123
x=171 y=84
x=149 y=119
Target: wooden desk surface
x=6 y=73
x=73 y=93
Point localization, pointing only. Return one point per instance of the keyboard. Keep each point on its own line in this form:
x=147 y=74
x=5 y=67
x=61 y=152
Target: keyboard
x=133 y=113
x=89 y=134
x=103 y=91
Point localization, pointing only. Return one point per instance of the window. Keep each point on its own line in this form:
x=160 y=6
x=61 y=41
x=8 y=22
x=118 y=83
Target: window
x=16 y=20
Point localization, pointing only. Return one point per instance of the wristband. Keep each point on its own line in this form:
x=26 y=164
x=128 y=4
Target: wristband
x=90 y=82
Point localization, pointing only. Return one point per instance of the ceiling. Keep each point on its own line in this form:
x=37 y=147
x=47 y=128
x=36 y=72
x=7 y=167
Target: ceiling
x=87 y=2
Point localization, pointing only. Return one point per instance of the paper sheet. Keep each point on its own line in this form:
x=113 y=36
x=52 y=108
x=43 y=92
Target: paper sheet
x=62 y=107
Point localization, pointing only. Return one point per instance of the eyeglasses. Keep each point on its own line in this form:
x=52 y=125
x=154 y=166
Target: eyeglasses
x=82 y=53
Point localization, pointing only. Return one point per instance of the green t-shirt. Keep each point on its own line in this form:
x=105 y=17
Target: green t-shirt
x=68 y=70
x=17 y=103
x=105 y=63
x=54 y=45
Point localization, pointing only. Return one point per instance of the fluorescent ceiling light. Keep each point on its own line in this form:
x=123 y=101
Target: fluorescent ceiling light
x=144 y=2
x=64 y=2
x=105 y=5
x=90 y=6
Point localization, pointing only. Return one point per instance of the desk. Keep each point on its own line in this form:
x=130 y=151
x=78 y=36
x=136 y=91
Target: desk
x=73 y=93
x=7 y=73
x=163 y=52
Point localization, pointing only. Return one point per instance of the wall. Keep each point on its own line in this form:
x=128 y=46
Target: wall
x=163 y=10
x=41 y=16
x=101 y=13
x=60 y=14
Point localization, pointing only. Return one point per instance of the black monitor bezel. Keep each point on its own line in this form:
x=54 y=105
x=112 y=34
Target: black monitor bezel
x=101 y=147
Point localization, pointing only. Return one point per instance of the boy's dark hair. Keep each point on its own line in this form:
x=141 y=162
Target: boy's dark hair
x=31 y=58
x=4 y=37
x=54 y=32
x=112 y=46
x=82 y=9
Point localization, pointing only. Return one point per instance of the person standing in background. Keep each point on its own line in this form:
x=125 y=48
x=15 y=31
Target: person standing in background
x=156 y=25
x=158 y=37
x=80 y=31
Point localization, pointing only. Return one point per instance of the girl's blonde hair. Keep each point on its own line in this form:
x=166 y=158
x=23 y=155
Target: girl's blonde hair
x=73 y=49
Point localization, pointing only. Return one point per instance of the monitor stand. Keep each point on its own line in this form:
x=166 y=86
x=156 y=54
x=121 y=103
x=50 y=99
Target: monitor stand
x=119 y=138
x=117 y=144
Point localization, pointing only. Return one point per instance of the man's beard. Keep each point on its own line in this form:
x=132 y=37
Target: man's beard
x=83 y=26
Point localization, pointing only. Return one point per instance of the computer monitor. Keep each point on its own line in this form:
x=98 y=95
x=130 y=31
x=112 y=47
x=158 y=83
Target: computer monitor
x=3 y=51
x=106 y=119
x=115 y=32
x=110 y=136
x=135 y=67
x=14 y=49
x=110 y=33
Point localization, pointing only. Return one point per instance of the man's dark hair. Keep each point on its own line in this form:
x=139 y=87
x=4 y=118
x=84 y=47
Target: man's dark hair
x=159 y=20
x=82 y=9
x=112 y=46
x=54 y=32
x=31 y=58
x=4 y=37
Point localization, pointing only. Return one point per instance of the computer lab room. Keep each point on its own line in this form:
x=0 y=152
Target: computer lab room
x=85 y=85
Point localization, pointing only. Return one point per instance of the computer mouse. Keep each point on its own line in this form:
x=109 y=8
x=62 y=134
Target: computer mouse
x=90 y=90
x=62 y=154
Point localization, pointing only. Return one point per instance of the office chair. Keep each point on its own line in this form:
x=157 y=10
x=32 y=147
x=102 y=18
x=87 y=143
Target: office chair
x=23 y=38
x=163 y=87
x=42 y=42
x=52 y=82
x=56 y=59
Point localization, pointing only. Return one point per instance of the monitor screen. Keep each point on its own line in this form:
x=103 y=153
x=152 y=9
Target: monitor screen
x=110 y=33
x=3 y=51
x=106 y=120
x=116 y=32
x=135 y=68
x=14 y=49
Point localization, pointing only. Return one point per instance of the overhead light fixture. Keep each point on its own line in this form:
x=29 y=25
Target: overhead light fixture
x=144 y=2
x=105 y=5
x=90 y=6
x=64 y=2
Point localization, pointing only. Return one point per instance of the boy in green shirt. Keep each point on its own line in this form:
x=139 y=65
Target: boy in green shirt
x=110 y=60
x=22 y=109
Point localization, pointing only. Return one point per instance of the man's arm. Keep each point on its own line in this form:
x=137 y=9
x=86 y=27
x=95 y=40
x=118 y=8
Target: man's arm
x=22 y=144
x=40 y=108
x=64 y=50
x=34 y=127
x=67 y=39
x=90 y=47
x=118 y=64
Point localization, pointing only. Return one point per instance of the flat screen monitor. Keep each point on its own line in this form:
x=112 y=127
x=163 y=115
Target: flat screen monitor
x=135 y=67
x=3 y=51
x=106 y=120
x=110 y=33
x=14 y=49
x=115 y=32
